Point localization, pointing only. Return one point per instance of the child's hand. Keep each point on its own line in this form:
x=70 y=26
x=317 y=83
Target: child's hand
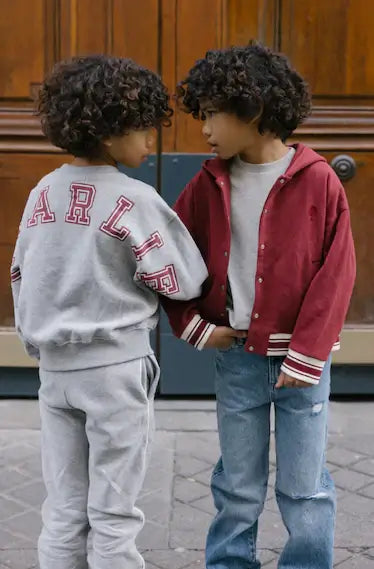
x=285 y=380
x=222 y=337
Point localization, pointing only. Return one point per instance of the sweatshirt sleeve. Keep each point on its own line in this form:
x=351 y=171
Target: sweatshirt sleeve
x=16 y=281
x=326 y=302
x=168 y=260
x=184 y=317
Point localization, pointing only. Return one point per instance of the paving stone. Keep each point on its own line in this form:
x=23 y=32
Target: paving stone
x=188 y=489
x=357 y=562
x=32 y=494
x=15 y=454
x=187 y=421
x=350 y=480
x=370 y=553
x=9 y=540
x=32 y=466
x=27 y=525
x=266 y=556
x=188 y=527
x=22 y=559
x=360 y=443
x=204 y=476
x=342 y=457
x=272 y=505
x=353 y=531
x=11 y=477
x=358 y=505
x=341 y=555
x=368 y=491
x=203 y=446
x=9 y=508
x=153 y=536
x=272 y=564
x=206 y=504
x=189 y=466
x=366 y=466
x=271 y=480
x=174 y=558
x=271 y=533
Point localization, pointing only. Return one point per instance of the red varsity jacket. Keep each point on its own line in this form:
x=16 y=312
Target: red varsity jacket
x=305 y=266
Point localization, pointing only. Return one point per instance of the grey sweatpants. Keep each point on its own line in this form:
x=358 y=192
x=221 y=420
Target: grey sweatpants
x=96 y=429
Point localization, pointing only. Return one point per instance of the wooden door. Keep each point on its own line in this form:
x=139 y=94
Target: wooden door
x=328 y=41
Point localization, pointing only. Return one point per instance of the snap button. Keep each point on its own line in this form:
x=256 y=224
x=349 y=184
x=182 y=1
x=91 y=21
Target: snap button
x=262 y=246
x=256 y=315
x=251 y=348
x=260 y=280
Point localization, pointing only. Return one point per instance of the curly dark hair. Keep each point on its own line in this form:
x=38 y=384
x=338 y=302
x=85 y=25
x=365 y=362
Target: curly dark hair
x=250 y=81
x=88 y=99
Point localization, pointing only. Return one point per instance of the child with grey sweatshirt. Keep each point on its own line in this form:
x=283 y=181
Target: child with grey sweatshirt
x=94 y=251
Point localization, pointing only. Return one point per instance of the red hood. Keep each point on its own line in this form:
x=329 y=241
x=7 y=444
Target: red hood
x=303 y=158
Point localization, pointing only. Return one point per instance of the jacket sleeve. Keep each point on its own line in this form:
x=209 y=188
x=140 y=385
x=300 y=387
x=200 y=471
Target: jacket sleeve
x=184 y=317
x=326 y=302
x=16 y=281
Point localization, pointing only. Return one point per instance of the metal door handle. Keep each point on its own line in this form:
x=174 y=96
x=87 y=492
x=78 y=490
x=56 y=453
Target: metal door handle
x=344 y=167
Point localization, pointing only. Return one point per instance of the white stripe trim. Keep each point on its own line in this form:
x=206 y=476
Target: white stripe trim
x=297 y=375
x=306 y=359
x=298 y=361
x=275 y=337
x=205 y=337
x=191 y=327
x=275 y=352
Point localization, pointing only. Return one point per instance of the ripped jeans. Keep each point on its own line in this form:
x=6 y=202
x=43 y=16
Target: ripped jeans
x=304 y=489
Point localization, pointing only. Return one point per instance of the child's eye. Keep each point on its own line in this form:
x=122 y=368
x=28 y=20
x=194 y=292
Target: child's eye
x=208 y=114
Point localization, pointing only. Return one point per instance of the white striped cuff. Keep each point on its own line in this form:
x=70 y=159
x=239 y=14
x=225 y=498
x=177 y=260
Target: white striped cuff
x=197 y=332
x=302 y=367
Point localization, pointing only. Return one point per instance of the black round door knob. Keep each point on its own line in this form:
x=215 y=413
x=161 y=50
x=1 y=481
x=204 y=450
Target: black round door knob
x=344 y=167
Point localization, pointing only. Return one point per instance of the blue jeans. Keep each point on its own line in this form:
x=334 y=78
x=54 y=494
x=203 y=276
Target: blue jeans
x=304 y=489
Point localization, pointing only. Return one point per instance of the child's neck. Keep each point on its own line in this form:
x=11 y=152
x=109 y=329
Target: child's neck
x=265 y=151
x=93 y=162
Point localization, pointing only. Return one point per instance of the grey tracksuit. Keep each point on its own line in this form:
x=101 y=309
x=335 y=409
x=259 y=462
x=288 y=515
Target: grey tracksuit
x=95 y=249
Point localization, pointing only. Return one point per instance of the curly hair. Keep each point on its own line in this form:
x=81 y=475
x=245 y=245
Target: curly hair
x=88 y=99
x=250 y=81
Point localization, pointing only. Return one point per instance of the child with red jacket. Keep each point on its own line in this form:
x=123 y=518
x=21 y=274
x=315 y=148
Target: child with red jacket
x=273 y=226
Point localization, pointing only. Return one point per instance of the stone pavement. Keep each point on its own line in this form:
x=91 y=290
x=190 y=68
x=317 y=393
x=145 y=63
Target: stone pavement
x=176 y=497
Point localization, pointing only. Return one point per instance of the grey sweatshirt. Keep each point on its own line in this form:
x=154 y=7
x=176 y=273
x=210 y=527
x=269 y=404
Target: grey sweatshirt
x=250 y=187
x=95 y=249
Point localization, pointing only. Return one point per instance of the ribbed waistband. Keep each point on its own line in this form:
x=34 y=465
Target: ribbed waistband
x=128 y=346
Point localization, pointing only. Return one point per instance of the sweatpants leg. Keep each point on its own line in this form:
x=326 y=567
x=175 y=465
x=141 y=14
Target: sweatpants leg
x=110 y=444
x=118 y=428
x=64 y=446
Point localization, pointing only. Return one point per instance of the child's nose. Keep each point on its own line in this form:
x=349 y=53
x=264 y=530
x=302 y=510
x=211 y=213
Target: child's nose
x=206 y=130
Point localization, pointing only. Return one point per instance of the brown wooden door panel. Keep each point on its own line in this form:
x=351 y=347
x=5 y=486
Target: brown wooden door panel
x=27 y=46
x=360 y=195
x=19 y=173
x=331 y=44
